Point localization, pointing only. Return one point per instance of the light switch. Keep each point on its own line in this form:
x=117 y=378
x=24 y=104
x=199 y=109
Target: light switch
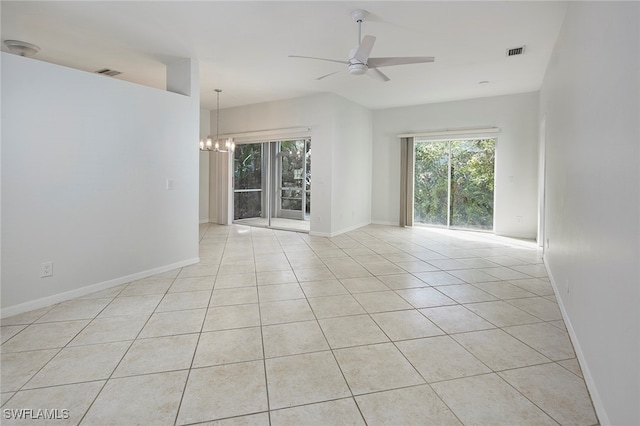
x=171 y=184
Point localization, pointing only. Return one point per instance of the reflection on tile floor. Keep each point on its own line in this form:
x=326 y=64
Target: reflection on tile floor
x=382 y=325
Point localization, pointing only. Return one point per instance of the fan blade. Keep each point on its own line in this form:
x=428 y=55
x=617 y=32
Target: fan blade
x=327 y=75
x=319 y=59
x=378 y=75
x=364 y=50
x=387 y=62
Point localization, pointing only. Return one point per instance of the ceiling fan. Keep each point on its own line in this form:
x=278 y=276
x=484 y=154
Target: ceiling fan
x=359 y=61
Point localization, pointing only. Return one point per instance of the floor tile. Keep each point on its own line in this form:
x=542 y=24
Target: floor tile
x=498 y=350
x=131 y=305
x=352 y=331
x=303 y=379
x=25 y=318
x=260 y=419
x=8 y=331
x=44 y=336
x=465 y=293
x=338 y=412
x=169 y=353
x=115 y=329
x=285 y=311
x=490 y=400
x=545 y=338
x=75 y=310
x=276 y=277
x=192 y=284
x=438 y=278
x=540 y=307
x=234 y=316
x=375 y=368
x=75 y=398
x=558 y=392
x=313 y=274
x=541 y=287
x=234 y=296
x=186 y=300
x=146 y=287
x=456 y=319
x=293 y=338
x=239 y=389
x=383 y=268
x=572 y=365
x=416 y=266
x=504 y=273
x=106 y=293
x=503 y=290
x=235 y=280
x=18 y=368
x=352 y=271
x=363 y=285
x=141 y=400
x=417 y=405
x=401 y=325
x=441 y=358
x=323 y=288
x=501 y=313
x=70 y=366
x=335 y=306
x=402 y=281
x=537 y=271
x=174 y=322
x=426 y=297
x=274 y=292
x=381 y=301
x=198 y=271
x=227 y=346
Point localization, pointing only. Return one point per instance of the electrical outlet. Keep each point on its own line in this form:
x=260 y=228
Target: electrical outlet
x=46 y=269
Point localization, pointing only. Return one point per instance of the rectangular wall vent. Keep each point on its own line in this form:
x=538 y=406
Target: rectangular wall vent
x=515 y=51
x=109 y=72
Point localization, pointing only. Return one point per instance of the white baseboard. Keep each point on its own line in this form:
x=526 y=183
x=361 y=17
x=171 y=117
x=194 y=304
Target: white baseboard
x=202 y=221
x=584 y=366
x=335 y=234
x=384 y=222
x=83 y=291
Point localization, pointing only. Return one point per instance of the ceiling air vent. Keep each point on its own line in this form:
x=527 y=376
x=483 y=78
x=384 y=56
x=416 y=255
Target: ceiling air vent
x=515 y=51
x=109 y=72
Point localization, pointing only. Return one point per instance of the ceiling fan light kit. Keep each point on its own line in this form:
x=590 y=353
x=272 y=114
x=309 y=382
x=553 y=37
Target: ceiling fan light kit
x=360 y=63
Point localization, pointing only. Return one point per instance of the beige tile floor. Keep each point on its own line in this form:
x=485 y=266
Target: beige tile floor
x=381 y=325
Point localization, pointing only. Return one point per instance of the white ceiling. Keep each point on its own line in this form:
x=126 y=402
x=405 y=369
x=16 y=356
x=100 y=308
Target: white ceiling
x=243 y=47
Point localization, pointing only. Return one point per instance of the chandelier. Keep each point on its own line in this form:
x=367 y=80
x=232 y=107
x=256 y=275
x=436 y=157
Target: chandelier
x=208 y=144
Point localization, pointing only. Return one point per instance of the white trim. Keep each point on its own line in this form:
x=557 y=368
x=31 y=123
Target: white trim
x=451 y=133
x=83 y=291
x=603 y=418
x=335 y=234
x=269 y=135
x=203 y=221
x=384 y=222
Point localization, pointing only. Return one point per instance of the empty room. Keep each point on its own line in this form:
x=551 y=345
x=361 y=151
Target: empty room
x=320 y=213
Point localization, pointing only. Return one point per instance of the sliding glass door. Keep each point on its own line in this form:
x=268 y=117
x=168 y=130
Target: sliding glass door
x=454 y=182
x=272 y=184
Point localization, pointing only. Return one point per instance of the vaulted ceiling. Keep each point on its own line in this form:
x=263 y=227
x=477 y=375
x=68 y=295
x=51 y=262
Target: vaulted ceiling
x=243 y=47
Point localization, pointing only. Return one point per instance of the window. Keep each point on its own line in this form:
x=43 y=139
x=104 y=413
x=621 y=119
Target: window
x=454 y=183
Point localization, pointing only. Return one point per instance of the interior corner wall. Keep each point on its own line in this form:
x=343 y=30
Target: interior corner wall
x=205 y=130
x=516 y=173
x=591 y=100
x=351 y=168
x=86 y=161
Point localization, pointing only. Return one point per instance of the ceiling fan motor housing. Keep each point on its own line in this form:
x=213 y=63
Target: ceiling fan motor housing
x=358 y=69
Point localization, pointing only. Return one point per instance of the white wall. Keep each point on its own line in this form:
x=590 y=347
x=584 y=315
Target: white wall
x=205 y=130
x=590 y=97
x=85 y=165
x=516 y=154
x=351 y=166
x=329 y=132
